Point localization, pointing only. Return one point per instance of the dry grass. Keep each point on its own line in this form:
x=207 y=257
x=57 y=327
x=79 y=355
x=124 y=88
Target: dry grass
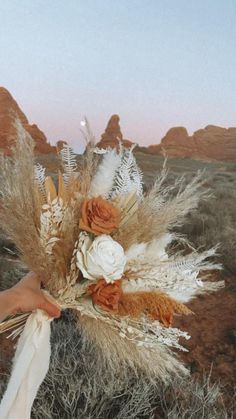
x=79 y=385
x=215 y=222
x=191 y=399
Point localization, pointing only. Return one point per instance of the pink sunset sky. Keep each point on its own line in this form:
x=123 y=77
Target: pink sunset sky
x=156 y=63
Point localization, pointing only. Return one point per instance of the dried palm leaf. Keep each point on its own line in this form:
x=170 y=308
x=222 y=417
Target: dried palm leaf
x=62 y=193
x=50 y=189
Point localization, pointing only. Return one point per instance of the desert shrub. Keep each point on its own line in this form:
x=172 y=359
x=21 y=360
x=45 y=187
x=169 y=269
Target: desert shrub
x=215 y=223
x=196 y=400
x=10 y=272
x=6 y=245
x=78 y=385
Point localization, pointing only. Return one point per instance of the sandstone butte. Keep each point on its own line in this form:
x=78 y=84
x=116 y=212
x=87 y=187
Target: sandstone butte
x=112 y=135
x=209 y=144
x=9 y=111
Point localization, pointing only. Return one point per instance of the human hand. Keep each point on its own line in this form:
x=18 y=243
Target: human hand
x=27 y=296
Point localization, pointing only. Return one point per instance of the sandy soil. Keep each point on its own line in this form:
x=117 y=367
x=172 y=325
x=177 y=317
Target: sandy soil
x=212 y=347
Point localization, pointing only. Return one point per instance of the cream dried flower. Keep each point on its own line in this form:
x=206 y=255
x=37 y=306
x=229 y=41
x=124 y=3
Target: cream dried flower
x=101 y=258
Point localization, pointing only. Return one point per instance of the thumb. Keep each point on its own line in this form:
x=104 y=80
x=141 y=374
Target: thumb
x=51 y=308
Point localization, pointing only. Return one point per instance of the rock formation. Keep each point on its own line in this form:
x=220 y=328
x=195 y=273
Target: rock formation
x=60 y=144
x=9 y=111
x=210 y=143
x=113 y=134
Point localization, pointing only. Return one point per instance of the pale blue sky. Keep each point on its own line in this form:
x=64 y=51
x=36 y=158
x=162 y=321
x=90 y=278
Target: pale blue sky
x=157 y=63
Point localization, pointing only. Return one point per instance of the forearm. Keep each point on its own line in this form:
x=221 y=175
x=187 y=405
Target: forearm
x=7 y=304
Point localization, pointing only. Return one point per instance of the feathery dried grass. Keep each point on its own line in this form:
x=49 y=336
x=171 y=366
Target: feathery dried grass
x=103 y=180
x=122 y=354
x=79 y=384
x=89 y=161
x=162 y=209
x=21 y=204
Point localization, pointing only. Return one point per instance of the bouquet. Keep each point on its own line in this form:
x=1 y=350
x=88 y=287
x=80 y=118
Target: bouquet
x=103 y=248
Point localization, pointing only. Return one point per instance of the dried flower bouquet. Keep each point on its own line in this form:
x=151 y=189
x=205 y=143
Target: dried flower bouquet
x=98 y=243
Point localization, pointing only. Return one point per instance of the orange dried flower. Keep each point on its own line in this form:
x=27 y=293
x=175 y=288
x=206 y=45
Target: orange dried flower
x=99 y=216
x=106 y=295
x=157 y=305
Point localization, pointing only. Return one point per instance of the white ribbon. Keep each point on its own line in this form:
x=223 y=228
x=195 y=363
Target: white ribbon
x=30 y=366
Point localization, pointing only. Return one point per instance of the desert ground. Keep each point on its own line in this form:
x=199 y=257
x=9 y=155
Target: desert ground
x=211 y=356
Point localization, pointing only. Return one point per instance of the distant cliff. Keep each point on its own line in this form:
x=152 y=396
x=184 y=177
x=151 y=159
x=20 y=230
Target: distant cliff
x=210 y=143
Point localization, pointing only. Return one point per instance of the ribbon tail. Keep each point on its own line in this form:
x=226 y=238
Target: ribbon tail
x=30 y=366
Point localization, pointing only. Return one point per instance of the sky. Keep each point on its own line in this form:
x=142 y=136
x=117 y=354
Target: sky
x=156 y=63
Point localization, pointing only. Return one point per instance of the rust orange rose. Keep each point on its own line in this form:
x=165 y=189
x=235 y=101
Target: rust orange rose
x=106 y=295
x=99 y=216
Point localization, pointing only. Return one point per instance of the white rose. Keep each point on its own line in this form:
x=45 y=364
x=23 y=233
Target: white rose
x=101 y=258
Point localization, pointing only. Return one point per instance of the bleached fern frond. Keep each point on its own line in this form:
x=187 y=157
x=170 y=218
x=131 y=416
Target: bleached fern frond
x=40 y=179
x=103 y=180
x=194 y=261
x=182 y=286
x=137 y=177
x=68 y=158
x=128 y=177
x=179 y=277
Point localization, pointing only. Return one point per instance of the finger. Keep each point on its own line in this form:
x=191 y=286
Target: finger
x=51 y=309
